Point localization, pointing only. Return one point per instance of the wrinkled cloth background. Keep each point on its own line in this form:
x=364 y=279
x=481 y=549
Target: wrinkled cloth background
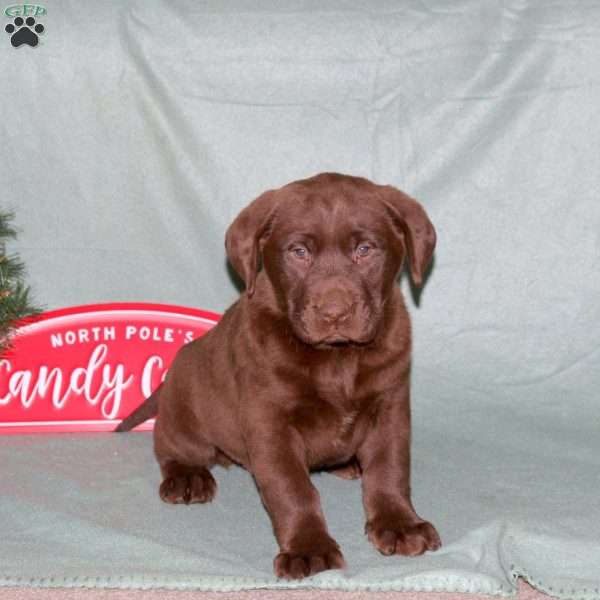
x=135 y=132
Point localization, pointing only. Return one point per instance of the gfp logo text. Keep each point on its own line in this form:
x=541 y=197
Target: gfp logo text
x=24 y=10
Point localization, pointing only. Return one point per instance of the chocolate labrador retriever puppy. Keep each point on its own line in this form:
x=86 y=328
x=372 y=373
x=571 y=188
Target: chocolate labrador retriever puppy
x=308 y=370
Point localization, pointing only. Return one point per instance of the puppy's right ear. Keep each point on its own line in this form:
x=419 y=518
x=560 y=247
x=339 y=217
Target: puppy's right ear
x=245 y=234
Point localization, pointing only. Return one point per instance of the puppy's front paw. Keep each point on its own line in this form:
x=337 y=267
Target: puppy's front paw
x=188 y=486
x=393 y=535
x=308 y=558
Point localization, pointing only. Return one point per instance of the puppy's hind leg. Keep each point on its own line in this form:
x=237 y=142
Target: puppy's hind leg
x=183 y=484
x=185 y=470
x=350 y=470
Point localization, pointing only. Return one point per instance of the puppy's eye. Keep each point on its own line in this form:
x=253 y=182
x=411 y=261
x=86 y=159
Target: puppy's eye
x=300 y=252
x=363 y=250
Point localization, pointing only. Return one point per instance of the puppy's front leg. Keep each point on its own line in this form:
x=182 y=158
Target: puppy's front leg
x=393 y=526
x=278 y=463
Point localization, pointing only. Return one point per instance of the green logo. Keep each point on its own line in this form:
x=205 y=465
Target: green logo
x=24 y=29
x=24 y=10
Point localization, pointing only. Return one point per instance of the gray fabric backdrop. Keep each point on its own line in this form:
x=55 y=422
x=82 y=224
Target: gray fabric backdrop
x=135 y=131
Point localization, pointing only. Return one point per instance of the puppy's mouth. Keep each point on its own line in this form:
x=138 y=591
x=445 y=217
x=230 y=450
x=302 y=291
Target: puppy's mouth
x=335 y=341
x=345 y=335
x=338 y=341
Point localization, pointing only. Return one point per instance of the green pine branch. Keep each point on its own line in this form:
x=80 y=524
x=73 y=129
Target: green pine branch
x=15 y=297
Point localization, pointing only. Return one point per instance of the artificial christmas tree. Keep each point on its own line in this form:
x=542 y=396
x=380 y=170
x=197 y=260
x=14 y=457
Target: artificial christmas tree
x=15 y=303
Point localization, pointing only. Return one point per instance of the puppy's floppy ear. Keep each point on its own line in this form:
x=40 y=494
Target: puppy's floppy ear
x=244 y=235
x=411 y=222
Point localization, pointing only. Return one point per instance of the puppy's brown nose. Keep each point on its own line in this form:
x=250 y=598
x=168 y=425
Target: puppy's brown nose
x=334 y=309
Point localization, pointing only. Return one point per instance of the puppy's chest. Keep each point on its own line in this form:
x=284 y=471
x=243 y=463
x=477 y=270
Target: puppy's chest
x=345 y=381
x=335 y=381
x=333 y=412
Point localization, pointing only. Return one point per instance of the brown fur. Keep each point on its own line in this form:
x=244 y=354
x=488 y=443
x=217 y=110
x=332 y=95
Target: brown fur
x=308 y=370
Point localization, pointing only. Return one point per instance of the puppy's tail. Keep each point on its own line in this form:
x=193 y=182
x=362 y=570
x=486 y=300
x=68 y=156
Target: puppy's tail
x=146 y=410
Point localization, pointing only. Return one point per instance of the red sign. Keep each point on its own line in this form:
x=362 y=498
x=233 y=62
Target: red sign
x=86 y=368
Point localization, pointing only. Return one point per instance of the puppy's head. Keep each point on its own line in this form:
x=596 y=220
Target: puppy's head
x=331 y=247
